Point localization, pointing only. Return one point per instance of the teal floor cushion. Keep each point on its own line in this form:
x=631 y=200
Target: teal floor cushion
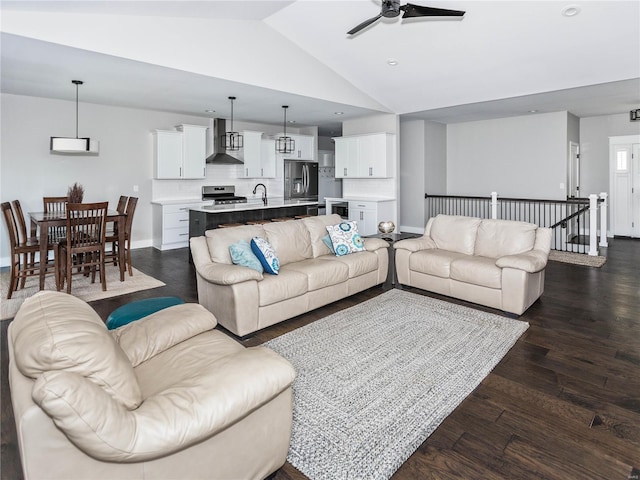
x=138 y=309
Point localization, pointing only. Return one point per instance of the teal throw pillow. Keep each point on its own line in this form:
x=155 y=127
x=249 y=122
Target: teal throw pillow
x=266 y=254
x=345 y=238
x=327 y=241
x=241 y=254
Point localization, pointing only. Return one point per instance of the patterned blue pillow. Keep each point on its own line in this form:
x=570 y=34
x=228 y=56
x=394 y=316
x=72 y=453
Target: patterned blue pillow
x=327 y=241
x=345 y=238
x=266 y=254
x=241 y=254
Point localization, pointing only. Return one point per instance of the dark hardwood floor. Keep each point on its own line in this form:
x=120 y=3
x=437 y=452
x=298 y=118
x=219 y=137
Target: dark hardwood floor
x=563 y=404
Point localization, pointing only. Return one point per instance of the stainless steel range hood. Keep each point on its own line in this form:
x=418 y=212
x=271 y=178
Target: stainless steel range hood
x=216 y=152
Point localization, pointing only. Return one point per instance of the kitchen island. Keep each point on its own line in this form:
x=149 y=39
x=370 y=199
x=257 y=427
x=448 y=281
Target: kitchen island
x=207 y=217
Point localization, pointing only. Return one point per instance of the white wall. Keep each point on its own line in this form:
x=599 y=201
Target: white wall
x=518 y=157
x=594 y=148
x=412 y=174
x=436 y=158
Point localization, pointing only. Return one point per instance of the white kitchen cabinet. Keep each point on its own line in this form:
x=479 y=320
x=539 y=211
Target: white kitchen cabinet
x=180 y=153
x=259 y=156
x=305 y=147
x=367 y=214
x=171 y=225
x=365 y=156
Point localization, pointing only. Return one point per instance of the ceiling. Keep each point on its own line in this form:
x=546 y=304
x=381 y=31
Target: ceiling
x=504 y=58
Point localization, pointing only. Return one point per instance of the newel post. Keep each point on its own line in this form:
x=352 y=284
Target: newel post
x=603 y=219
x=593 y=224
x=494 y=205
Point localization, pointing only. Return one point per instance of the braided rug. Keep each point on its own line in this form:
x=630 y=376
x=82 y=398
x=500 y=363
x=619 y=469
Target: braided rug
x=375 y=380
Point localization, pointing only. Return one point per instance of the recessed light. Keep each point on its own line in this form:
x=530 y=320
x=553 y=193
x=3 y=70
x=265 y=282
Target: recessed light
x=291 y=121
x=533 y=111
x=571 y=10
x=392 y=62
x=209 y=111
x=338 y=113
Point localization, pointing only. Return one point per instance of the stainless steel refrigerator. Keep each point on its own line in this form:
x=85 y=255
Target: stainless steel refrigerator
x=300 y=180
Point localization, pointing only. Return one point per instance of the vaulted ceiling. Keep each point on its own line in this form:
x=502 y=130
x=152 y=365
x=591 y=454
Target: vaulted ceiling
x=503 y=58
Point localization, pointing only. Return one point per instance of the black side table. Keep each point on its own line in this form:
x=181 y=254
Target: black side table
x=392 y=238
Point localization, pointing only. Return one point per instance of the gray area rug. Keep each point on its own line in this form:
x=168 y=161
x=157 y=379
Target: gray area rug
x=375 y=380
x=81 y=287
x=578 y=258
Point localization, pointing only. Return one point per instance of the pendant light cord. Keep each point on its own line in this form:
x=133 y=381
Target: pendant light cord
x=76 y=110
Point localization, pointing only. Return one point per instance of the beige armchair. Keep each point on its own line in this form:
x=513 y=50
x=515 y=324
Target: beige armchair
x=166 y=396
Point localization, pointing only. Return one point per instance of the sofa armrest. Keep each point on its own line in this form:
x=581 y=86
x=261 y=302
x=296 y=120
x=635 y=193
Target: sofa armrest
x=371 y=244
x=530 y=262
x=416 y=244
x=155 y=333
x=219 y=273
x=190 y=411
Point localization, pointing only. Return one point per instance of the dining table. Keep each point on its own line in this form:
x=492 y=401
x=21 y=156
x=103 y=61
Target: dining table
x=42 y=221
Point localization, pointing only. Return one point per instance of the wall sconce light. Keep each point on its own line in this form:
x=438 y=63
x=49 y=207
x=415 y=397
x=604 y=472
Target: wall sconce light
x=634 y=115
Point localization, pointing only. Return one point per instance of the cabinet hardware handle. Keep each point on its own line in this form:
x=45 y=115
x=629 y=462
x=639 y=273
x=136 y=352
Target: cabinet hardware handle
x=184 y=209
x=180 y=172
x=345 y=171
x=184 y=220
x=361 y=215
x=370 y=171
x=261 y=172
x=246 y=174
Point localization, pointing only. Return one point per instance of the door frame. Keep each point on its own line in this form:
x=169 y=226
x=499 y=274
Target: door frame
x=617 y=140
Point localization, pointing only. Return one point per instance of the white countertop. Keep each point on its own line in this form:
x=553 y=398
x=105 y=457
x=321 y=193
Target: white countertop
x=176 y=201
x=359 y=199
x=276 y=202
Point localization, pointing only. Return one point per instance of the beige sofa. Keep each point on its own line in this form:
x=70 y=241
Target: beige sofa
x=244 y=300
x=497 y=263
x=165 y=397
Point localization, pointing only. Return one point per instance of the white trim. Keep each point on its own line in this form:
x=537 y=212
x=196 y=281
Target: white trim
x=411 y=230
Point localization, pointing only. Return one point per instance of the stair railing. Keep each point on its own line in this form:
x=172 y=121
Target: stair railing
x=574 y=221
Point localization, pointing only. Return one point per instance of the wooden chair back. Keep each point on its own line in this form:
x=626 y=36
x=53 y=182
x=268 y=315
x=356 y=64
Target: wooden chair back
x=55 y=204
x=131 y=208
x=12 y=229
x=86 y=226
x=21 y=225
x=122 y=204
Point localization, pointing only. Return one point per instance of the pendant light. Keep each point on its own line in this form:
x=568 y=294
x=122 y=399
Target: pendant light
x=74 y=145
x=232 y=140
x=285 y=144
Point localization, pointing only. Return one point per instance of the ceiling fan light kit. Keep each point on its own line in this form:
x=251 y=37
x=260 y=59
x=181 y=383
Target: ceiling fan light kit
x=70 y=145
x=231 y=140
x=392 y=8
x=285 y=144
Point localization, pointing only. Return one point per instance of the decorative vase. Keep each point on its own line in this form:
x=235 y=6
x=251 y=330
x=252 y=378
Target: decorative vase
x=386 y=227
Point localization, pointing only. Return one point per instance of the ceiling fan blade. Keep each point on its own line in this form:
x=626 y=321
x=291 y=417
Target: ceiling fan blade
x=411 y=10
x=364 y=24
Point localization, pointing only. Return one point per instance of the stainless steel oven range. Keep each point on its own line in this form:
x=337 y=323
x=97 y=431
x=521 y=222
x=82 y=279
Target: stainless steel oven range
x=221 y=194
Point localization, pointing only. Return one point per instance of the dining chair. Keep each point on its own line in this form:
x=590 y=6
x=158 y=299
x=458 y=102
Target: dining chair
x=55 y=205
x=22 y=251
x=28 y=257
x=83 y=246
x=113 y=232
x=113 y=237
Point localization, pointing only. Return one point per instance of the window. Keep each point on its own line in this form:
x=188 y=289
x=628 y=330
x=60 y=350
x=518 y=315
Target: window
x=622 y=160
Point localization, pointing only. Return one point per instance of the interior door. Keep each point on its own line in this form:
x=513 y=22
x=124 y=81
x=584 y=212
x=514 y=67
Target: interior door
x=635 y=190
x=625 y=203
x=573 y=189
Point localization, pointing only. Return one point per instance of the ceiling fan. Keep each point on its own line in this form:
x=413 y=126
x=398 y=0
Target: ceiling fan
x=392 y=8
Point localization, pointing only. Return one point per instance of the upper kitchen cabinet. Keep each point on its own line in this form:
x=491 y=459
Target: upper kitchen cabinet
x=180 y=153
x=259 y=156
x=365 y=156
x=305 y=148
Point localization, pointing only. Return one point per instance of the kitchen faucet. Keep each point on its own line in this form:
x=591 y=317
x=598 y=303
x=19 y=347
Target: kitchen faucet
x=264 y=194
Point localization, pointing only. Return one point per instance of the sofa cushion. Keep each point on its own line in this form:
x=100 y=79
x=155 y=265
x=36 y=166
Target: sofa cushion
x=317 y=227
x=56 y=331
x=321 y=274
x=357 y=263
x=477 y=270
x=266 y=255
x=497 y=238
x=455 y=233
x=434 y=262
x=219 y=239
x=345 y=238
x=287 y=284
x=241 y=254
x=290 y=240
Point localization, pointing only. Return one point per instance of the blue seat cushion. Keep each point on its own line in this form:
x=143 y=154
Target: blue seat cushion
x=138 y=309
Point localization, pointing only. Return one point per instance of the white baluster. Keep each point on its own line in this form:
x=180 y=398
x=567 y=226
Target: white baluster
x=603 y=219
x=494 y=205
x=593 y=224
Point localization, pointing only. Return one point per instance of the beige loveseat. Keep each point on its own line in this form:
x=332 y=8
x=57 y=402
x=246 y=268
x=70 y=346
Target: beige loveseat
x=244 y=300
x=165 y=397
x=497 y=263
